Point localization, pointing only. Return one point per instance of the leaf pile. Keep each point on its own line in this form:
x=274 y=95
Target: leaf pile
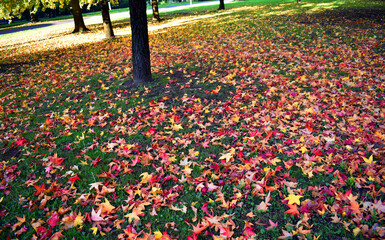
x=256 y=127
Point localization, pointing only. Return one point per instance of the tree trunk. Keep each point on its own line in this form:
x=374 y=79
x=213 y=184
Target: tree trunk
x=155 y=11
x=78 y=17
x=140 y=46
x=106 y=19
x=221 y=5
x=33 y=17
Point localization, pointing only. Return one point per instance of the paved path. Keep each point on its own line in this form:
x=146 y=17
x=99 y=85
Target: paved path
x=98 y=18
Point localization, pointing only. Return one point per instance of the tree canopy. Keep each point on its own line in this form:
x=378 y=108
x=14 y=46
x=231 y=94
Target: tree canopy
x=14 y=8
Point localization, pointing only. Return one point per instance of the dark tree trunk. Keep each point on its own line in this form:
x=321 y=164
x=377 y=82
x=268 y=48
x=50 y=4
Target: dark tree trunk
x=140 y=46
x=33 y=17
x=298 y=1
x=221 y=5
x=106 y=19
x=78 y=17
x=155 y=11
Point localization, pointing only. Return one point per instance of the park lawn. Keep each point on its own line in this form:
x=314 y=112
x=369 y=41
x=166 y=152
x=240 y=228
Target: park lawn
x=262 y=122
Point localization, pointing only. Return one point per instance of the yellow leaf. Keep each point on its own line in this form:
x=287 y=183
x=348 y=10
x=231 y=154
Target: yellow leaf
x=235 y=118
x=158 y=234
x=303 y=149
x=369 y=160
x=294 y=199
x=176 y=127
x=107 y=207
x=145 y=177
x=94 y=230
x=78 y=220
x=356 y=231
x=226 y=156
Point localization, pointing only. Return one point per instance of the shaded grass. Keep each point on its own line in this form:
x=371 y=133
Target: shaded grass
x=259 y=83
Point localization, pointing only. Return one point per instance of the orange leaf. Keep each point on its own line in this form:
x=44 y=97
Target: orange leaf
x=293 y=210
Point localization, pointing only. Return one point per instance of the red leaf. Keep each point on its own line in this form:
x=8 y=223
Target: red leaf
x=39 y=189
x=52 y=221
x=293 y=210
x=73 y=179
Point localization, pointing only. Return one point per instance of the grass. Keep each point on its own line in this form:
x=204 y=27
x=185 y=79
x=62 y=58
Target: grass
x=250 y=108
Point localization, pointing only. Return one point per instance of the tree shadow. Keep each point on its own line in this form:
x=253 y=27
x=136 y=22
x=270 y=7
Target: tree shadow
x=25 y=28
x=346 y=17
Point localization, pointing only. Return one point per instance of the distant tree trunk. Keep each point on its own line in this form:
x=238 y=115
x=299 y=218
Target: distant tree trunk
x=33 y=17
x=78 y=17
x=106 y=19
x=221 y=5
x=298 y=1
x=155 y=11
x=140 y=46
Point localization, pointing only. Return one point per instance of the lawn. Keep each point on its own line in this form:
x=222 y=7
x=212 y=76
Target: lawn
x=263 y=122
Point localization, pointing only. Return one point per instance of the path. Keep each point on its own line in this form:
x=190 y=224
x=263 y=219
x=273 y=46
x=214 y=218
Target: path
x=97 y=19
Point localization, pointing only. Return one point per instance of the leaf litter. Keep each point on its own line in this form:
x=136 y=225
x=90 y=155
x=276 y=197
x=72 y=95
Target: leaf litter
x=263 y=128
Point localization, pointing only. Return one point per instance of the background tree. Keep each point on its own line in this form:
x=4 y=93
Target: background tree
x=140 y=47
x=155 y=10
x=221 y=5
x=108 y=31
x=78 y=17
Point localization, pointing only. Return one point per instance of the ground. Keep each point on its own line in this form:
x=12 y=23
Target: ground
x=263 y=122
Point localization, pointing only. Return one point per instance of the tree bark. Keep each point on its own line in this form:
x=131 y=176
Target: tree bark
x=78 y=17
x=155 y=10
x=33 y=17
x=140 y=47
x=106 y=19
x=221 y=5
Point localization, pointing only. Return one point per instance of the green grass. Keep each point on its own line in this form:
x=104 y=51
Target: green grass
x=251 y=102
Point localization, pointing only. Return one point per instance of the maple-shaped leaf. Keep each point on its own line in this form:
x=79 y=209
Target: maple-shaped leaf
x=95 y=216
x=53 y=220
x=225 y=231
x=107 y=208
x=249 y=233
x=130 y=232
x=94 y=230
x=62 y=210
x=176 y=127
x=39 y=189
x=135 y=214
x=205 y=144
x=20 y=142
x=356 y=231
x=293 y=210
x=57 y=235
x=265 y=204
x=355 y=207
x=95 y=185
x=226 y=156
x=294 y=199
x=272 y=225
x=145 y=177
x=20 y=220
x=379 y=206
x=369 y=160
x=73 y=179
x=285 y=235
x=55 y=160
x=73 y=220
x=198 y=228
x=250 y=215
x=158 y=234
x=211 y=187
x=335 y=218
